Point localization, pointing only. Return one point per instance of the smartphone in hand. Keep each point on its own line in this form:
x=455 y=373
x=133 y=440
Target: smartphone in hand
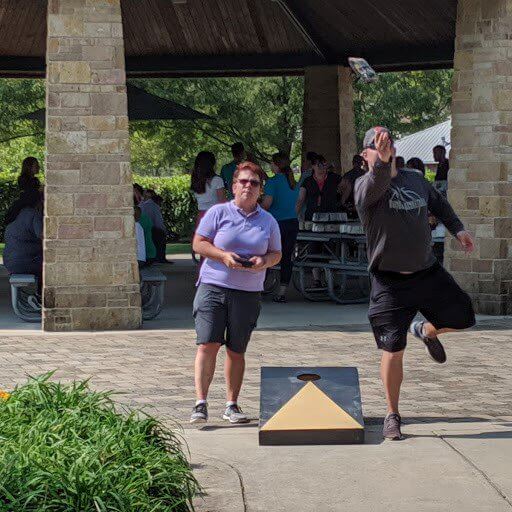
x=245 y=263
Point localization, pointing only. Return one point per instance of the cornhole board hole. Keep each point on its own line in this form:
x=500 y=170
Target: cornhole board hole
x=312 y=405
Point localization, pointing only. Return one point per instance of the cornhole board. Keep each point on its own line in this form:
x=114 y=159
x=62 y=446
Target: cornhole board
x=310 y=405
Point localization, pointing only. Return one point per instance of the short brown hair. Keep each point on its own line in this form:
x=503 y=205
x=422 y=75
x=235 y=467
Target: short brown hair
x=252 y=167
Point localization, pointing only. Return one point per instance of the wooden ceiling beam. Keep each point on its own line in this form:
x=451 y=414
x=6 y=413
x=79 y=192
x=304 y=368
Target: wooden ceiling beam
x=307 y=31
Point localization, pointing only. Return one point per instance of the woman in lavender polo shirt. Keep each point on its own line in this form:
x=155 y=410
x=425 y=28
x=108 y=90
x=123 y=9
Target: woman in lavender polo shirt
x=238 y=240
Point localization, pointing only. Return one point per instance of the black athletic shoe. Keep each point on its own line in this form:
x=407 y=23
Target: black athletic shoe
x=391 y=429
x=433 y=346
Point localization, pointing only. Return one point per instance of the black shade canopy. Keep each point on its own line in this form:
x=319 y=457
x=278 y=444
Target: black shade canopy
x=244 y=37
x=143 y=106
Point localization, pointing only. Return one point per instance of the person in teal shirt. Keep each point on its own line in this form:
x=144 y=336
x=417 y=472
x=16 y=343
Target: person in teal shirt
x=280 y=199
x=147 y=226
x=227 y=171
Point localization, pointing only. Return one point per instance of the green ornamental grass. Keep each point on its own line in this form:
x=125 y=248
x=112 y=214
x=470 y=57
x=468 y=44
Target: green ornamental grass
x=64 y=447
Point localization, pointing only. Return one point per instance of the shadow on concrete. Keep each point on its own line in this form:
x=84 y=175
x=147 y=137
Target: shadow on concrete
x=211 y=428
x=418 y=420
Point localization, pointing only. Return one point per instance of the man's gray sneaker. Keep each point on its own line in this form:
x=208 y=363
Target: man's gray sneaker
x=199 y=414
x=234 y=414
x=433 y=346
x=391 y=429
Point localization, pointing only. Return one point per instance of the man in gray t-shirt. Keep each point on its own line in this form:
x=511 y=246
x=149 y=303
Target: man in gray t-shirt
x=405 y=276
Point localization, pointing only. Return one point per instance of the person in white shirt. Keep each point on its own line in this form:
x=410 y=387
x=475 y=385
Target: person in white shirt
x=208 y=188
x=141 y=242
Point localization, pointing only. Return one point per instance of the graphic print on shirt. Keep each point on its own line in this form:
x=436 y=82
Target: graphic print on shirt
x=404 y=199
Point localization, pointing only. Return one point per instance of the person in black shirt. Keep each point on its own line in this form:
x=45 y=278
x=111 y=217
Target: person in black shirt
x=443 y=164
x=347 y=186
x=405 y=276
x=320 y=191
x=400 y=162
x=417 y=164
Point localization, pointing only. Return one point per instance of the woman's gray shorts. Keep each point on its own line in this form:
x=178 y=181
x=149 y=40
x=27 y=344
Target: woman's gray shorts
x=224 y=315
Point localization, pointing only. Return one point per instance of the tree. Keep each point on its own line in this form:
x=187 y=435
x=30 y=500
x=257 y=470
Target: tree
x=263 y=113
x=20 y=138
x=403 y=102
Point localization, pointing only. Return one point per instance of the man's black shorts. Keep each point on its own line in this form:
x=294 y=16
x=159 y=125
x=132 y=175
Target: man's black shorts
x=395 y=300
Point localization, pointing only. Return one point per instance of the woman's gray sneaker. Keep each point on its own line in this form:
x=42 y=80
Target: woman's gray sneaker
x=433 y=346
x=234 y=414
x=199 y=414
x=391 y=428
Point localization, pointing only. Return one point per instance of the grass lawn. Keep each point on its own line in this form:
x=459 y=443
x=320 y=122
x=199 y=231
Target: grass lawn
x=171 y=249
x=178 y=249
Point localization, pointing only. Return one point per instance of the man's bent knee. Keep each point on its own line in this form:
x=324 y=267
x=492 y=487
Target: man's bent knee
x=235 y=355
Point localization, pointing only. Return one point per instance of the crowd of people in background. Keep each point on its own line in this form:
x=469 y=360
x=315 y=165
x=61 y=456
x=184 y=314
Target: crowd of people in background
x=320 y=188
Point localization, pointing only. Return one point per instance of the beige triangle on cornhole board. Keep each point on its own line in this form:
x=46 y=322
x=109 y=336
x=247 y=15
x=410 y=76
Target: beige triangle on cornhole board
x=310 y=409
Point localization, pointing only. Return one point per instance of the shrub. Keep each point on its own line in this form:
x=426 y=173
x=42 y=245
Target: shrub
x=64 y=447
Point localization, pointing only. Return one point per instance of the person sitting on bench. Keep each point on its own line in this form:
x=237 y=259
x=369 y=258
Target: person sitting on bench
x=23 y=253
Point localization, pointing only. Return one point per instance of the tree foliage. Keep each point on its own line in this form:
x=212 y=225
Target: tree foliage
x=404 y=102
x=264 y=113
x=19 y=137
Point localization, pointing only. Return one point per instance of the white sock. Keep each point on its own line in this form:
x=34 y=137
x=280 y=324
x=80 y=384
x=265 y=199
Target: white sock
x=199 y=402
x=229 y=403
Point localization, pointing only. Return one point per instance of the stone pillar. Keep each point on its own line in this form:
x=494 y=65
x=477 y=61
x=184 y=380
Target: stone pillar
x=90 y=267
x=328 y=124
x=480 y=179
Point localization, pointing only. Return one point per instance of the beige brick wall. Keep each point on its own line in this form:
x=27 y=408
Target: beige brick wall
x=480 y=180
x=90 y=267
x=328 y=124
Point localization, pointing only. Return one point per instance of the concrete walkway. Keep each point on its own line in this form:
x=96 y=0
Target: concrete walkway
x=458 y=449
x=439 y=467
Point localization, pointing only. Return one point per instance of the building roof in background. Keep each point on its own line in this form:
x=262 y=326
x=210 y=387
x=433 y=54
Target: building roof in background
x=230 y=37
x=420 y=144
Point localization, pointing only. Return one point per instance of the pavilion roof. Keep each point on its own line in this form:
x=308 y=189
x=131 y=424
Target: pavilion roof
x=230 y=37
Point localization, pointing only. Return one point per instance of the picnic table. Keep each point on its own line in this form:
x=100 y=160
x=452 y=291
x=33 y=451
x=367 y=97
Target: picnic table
x=340 y=256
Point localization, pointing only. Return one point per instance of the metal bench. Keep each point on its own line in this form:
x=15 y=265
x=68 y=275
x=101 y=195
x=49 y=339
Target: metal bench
x=25 y=302
x=152 y=291
x=26 y=305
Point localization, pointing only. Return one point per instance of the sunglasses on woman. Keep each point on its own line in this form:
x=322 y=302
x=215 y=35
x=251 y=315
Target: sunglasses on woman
x=244 y=182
